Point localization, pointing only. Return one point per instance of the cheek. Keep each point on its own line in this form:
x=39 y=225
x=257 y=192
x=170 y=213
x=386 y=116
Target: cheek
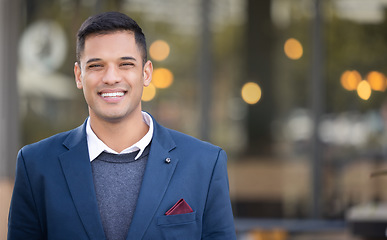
x=88 y=82
x=86 y=88
x=135 y=80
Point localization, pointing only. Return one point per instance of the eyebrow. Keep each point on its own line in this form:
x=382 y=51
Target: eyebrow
x=129 y=58
x=93 y=60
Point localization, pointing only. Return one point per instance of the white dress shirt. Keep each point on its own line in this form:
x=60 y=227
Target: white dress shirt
x=96 y=146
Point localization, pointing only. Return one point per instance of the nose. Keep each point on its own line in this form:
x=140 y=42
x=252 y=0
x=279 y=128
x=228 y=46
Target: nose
x=111 y=76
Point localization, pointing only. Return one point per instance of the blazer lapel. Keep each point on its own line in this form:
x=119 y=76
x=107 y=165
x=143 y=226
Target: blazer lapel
x=157 y=176
x=77 y=170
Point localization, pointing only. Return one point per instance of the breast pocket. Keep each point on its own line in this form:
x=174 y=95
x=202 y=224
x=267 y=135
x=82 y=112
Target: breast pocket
x=180 y=226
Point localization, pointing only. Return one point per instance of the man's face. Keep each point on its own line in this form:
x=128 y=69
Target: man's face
x=112 y=76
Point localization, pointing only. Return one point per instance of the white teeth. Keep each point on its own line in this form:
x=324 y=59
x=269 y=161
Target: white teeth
x=115 y=94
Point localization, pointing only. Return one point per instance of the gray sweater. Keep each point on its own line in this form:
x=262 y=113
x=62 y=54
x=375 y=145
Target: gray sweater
x=117 y=182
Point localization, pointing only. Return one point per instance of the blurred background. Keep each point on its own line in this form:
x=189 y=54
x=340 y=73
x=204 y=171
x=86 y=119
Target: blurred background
x=293 y=90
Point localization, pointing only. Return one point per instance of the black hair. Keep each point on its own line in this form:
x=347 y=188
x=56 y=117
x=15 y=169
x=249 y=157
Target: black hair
x=109 y=22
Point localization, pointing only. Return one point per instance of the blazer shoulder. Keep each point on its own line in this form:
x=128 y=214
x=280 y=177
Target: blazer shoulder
x=51 y=144
x=193 y=144
x=172 y=139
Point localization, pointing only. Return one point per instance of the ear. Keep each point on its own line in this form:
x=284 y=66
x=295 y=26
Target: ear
x=148 y=70
x=78 y=75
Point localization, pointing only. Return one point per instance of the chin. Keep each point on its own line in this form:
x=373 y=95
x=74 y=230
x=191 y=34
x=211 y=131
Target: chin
x=114 y=119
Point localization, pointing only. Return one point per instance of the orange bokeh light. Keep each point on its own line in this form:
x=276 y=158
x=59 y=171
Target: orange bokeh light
x=162 y=78
x=251 y=93
x=293 y=49
x=364 y=90
x=350 y=80
x=159 y=50
x=377 y=81
x=148 y=93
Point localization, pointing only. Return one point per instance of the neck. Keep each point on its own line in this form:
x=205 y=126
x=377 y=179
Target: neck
x=119 y=135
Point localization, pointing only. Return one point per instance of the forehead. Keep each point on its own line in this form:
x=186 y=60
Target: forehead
x=110 y=44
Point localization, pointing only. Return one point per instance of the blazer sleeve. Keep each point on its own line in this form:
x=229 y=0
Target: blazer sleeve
x=23 y=220
x=218 y=221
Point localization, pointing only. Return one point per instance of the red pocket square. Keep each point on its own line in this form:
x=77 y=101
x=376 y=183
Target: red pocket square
x=180 y=207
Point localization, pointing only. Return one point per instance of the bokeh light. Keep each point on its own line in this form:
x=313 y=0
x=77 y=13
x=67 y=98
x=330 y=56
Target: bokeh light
x=162 y=77
x=251 y=93
x=148 y=93
x=293 y=49
x=377 y=81
x=350 y=80
x=159 y=50
x=364 y=90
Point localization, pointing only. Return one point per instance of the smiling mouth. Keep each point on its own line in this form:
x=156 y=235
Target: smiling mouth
x=112 y=94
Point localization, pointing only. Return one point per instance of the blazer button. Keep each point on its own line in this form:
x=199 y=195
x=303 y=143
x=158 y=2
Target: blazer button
x=168 y=160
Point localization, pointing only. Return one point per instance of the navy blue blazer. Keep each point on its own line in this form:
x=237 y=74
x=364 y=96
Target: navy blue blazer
x=54 y=196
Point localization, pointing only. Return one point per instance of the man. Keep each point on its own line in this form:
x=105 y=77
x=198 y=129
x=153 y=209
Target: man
x=120 y=175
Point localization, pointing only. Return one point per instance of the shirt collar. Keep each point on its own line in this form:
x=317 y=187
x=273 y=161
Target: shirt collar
x=96 y=146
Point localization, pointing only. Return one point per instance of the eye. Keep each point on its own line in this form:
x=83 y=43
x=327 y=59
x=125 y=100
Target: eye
x=127 y=64
x=95 y=66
